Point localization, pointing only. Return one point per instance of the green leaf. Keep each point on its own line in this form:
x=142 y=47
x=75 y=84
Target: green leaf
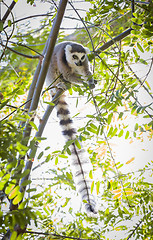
x=135 y=53
x=50 y=103
x=4 y=181
x=108 y=185
x=121 y=114
x=26 y=172
x=25 y=183
x=66 y=202
x=38 y=195
x=90 y=116
x=20 y=92
x=77 y=144
x=140 y=47
x=1 y=26
x=121 y=133
x=107 y=211
x=93 y=126
x=11 y=165
x=14 y=192
x=9 y=23
x=91 y=130
x=56 y=160
x=4 y=103
x=109 y=119
x=86 y=133
x=97 y=187
x=48 y=157
x=13 y=235
x=18 y=198
x=114 y=132
x=143 y=61
x=33 y=125
x=68 y=151
x=20 y=237
x=62 y=156
x=136 y=127
x=10 y=187
x=120 y=212
x=90 y=174
x=110 y=132
x=40 y=155
x=98 y=130
x=31 y=190
x=22 y=204
x=69 y=175
x=127 y=134
x=102 y=130
x=92 y=186
x=47 y=148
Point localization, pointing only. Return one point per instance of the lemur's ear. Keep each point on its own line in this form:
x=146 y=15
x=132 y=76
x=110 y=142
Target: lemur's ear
x=87 y=50
x=68 y=48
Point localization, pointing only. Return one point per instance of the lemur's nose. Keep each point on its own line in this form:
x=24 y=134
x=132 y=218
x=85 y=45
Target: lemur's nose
x=79 y=63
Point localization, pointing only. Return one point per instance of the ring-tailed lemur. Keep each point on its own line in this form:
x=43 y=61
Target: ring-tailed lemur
x=69 y=63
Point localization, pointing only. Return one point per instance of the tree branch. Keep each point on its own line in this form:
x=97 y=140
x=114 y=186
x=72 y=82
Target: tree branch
x=8 y=11
x=111 y=42
x=39 y=134
x=19 y=53
x=59 y=236
x=16 y=108
x=38 y=88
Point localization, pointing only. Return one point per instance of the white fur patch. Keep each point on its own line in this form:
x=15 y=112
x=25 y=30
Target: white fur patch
x=71 y=61
x=87 y=50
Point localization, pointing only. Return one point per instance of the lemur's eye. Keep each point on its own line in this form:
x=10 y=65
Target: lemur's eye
x=75 y=56
x=83 y=57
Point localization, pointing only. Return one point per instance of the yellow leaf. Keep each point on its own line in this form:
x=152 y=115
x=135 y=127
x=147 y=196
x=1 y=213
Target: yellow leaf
x=148 y=85
x=129 y=191
x=117 y=191
x=97 y=187
x=117 y=196
x=92 y=186
x=131 y=160
x=118 y=229
x=90 y=174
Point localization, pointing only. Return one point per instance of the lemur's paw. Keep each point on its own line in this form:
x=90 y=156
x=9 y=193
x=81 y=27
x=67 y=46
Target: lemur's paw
x=61 y=86
x=92 y=83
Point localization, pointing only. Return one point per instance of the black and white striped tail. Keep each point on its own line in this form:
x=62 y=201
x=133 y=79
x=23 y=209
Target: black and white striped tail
x=80 y=164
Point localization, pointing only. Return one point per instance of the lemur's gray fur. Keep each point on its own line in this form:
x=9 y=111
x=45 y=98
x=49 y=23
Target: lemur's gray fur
x=69 y=63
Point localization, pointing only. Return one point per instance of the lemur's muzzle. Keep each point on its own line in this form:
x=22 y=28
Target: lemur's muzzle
x=79 y=63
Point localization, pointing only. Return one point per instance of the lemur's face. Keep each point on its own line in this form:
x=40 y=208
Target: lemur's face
x=76 y=58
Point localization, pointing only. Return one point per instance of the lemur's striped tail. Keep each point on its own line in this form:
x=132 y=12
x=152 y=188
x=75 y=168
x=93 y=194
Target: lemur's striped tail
x=80 y=164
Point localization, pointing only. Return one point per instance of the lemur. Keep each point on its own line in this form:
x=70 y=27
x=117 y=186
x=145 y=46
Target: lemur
x=69 y=63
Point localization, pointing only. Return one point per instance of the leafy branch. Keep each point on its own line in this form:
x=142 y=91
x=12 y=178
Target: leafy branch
x=35 y=92
x=58 y=236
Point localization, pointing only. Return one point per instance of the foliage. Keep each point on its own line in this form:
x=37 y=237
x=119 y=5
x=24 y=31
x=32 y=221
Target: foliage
x=118 y=114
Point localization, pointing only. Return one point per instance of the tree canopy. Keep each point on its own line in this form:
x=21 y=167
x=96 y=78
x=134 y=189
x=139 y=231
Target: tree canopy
x=114 y=120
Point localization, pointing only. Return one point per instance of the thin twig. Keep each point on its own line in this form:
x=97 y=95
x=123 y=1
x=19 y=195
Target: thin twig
x=112 y=41
x=130 y=92
x=21 y=54
x=25 y=46
x=15 y=110
x=59 y=236
x=141 y=82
